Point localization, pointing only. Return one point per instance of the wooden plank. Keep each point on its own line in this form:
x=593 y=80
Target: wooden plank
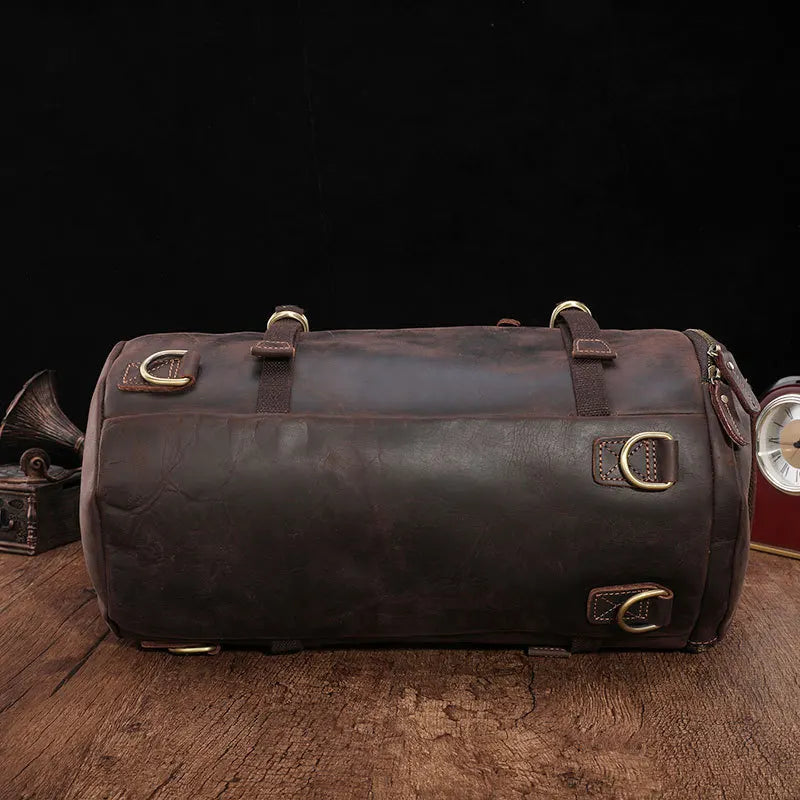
x=84 y=716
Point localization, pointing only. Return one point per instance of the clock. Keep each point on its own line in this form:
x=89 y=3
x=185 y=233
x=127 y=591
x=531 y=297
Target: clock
x=776 y=522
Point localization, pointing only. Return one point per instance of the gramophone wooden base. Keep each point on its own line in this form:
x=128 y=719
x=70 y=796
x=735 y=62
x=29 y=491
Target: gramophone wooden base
x=37 y=515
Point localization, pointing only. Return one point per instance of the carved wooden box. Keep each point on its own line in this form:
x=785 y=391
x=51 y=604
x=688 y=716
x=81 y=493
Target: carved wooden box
x=37 y=515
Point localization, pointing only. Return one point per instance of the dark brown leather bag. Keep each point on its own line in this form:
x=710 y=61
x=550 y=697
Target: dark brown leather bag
x=564 y=488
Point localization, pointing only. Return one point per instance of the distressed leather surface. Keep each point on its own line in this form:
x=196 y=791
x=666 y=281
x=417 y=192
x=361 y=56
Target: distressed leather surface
x=269 y=526
x=469 y=370
x=428 y=486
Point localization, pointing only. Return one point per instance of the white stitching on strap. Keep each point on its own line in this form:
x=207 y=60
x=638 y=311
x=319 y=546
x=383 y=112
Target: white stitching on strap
x=613 y=605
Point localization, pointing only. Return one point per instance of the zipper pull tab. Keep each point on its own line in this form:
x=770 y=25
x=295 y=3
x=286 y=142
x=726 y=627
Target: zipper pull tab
x=722 y=367
x=714 y=373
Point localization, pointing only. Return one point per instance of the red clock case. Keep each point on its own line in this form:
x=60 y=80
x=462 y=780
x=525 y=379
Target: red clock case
x=776 y=520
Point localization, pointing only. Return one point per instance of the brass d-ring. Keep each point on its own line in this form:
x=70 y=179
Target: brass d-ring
x=286 y=314
x=154 y=379
x=632 y=601
x=625 y=467
x=563 y=306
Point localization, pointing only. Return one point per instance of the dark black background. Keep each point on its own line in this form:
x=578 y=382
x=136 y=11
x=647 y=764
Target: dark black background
x=189 y=166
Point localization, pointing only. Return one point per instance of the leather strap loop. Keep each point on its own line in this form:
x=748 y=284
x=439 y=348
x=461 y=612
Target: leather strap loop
x=277 y=350
x=604 y=603
x=169 y=371
x=652 y=461
x=586 y=352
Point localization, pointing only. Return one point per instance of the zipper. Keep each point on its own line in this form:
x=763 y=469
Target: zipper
x=713 y=353
x=723 y=375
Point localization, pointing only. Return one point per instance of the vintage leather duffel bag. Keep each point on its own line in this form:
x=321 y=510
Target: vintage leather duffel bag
x=564 y=489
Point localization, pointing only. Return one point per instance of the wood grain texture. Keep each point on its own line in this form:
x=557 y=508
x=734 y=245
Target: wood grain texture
x=83 y=716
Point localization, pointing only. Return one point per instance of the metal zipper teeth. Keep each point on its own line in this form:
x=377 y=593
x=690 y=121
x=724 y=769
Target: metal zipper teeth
x=712 y=370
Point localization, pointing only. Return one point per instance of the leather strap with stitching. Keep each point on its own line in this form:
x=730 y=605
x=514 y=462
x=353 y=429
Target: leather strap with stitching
x=651 y=460
x=604 y=601
x=186 y=366
x=277 y=350
x=586 y=352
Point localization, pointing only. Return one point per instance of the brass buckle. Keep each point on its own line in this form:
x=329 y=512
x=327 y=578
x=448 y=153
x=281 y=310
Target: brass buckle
x=154 y=379
x=563 y=306
x=632 y=601
x=286 y=314
x=195 y=650
x=624 y=466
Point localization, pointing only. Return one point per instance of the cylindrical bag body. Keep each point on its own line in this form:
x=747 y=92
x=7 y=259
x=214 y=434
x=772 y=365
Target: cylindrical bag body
x=566 y=487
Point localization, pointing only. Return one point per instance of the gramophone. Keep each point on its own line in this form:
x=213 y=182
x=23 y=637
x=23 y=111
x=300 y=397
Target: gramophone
x=40 y=486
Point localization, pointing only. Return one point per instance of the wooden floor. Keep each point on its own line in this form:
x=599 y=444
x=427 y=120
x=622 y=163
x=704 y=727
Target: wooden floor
x=84 y=716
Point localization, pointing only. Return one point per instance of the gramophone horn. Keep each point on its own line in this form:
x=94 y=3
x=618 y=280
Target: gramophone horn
x=34 y=419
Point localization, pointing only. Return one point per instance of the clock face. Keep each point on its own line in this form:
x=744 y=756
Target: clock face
x=778 y=437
